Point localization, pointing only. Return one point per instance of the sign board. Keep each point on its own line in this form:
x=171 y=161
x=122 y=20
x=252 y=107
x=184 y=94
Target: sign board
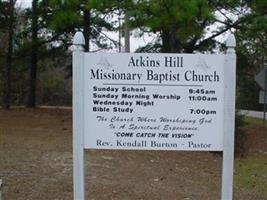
x=153 y=101
x=261 y=97
x=260 y=78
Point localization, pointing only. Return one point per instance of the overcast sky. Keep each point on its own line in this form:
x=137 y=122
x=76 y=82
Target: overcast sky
x=24 y=3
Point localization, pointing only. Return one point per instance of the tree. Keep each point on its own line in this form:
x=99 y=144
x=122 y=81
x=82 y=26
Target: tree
x=88 y=16
x=8 y=17
x=55 y=22
x=34 y=55
x=183 y=26
x=252 y=53
x=48 y=31
x=30 y=44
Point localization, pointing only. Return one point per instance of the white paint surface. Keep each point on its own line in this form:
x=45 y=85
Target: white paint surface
x=192 y=106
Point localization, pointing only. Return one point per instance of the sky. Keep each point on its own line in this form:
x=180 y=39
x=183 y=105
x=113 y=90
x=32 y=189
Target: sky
x=24 y=3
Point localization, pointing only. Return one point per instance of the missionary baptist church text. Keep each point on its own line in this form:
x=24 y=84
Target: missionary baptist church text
x=154 y=75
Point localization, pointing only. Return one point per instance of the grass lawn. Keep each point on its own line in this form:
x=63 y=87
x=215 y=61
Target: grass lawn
x=251 y=173
x=251 y=170
x=254 y=122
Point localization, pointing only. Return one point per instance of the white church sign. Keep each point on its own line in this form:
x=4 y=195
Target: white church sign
x=153 y=102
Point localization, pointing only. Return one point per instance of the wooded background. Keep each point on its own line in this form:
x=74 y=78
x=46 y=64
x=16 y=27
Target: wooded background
x=35 y=60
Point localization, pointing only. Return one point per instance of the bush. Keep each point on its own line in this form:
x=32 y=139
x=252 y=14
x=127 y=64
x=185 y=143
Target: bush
x=240 y=136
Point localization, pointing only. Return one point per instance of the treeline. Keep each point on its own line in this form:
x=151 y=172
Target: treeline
x=34 y=42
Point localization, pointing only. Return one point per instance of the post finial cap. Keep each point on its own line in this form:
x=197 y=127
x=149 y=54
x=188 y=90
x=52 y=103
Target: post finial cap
x=78 y=39
x=231 y=41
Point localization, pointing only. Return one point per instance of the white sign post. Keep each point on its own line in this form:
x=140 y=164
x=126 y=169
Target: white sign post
x=229 y=119
x=1 y=187
x=78 y=117
x=153 y=102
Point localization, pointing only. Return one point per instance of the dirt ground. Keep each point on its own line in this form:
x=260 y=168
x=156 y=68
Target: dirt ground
x=36 y=164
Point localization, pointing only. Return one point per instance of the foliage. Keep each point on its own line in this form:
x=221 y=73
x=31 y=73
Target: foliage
x=9 y=16
x=248 y=90
x=68 y=17
x=46 y=29
x=240 y=137
x=252 y=51
x=180 y=26
x=54 y=88
x=183 y=25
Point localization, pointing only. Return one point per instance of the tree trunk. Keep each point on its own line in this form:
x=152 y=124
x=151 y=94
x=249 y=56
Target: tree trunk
x=126 y=32
x=34 y=56
x=165 y=41
x=170 y=42
x=86 y=29
x=7 y=93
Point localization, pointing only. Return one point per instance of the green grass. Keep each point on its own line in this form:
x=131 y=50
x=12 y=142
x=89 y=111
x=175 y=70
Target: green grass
x=252 y=122
x=251 y=173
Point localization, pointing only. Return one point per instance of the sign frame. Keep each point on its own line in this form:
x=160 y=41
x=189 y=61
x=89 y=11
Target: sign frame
x=79 y=118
